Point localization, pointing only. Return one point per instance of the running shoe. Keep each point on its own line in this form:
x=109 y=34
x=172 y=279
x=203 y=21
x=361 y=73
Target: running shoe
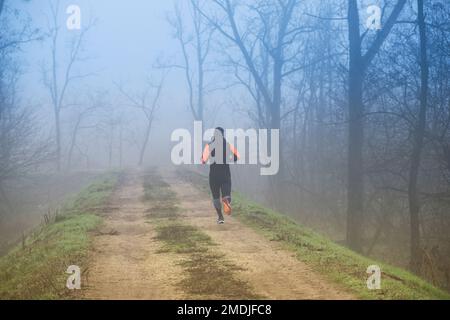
x=226 y=206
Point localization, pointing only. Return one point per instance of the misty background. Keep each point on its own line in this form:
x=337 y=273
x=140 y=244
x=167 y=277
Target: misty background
x=364 y=113
x=125 y=47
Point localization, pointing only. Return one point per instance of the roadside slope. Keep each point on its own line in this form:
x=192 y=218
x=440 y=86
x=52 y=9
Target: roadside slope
x=35 y=269
x=337 y=264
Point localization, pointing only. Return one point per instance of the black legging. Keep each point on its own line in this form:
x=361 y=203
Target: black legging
x=220 y=186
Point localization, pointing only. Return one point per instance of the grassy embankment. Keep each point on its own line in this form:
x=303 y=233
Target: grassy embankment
x=35 y=268
x=337 y=263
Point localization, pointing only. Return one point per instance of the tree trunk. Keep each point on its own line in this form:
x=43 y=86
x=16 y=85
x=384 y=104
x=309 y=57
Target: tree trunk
x=144 y=145
x=419 y=133
x=73 y=142
x=58 y=140
x=358 y=65
x=201 y=77
x=355 y=148
x=121 y=146
x=110 y=152
x=2 y=3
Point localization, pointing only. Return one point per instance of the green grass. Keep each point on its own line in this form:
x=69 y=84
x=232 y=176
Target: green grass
x=158 y=195
x=181 y=238
x=36 y=268
x=337 y=263
x=93 y=197
x=156 y=189
x=161 y=211
x=212 y=276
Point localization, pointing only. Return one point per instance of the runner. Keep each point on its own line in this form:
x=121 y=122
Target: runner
x=218 y=151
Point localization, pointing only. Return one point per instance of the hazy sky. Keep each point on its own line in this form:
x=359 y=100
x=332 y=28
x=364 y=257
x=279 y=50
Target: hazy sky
x=128 y=38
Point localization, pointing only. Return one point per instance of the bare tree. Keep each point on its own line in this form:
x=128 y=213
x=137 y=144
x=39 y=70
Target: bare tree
x=195 y=48
x=358 y=65
x=84 y=112
x=148 y=106
x=23 y=147
x=13 y=39
x=275 y=46
x=2 y=3
x=58 y=87
x=418 y=143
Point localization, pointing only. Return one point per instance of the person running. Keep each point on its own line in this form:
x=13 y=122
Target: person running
x=220 y=152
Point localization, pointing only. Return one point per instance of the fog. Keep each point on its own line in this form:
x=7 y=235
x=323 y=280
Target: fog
x=122 y=47
x=361 y=102
x=127 y=44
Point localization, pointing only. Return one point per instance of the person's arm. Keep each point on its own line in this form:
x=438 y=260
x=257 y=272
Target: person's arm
x=236 y=155
x=205 y=155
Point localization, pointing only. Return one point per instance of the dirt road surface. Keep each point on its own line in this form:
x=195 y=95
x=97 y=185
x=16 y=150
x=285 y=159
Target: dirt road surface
x=126 y=262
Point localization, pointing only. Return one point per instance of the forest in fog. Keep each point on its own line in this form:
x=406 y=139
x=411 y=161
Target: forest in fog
x=359 y=89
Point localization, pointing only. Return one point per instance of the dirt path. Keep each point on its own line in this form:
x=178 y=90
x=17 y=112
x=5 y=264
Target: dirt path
x=271 y=271
x=125 y=263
